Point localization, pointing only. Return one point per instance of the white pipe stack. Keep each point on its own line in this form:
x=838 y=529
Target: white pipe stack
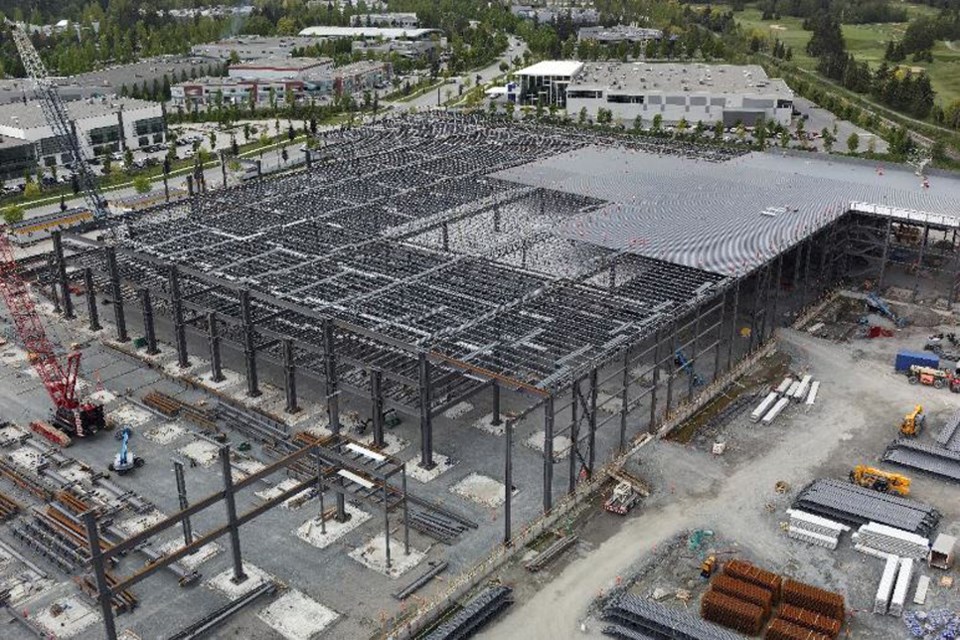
x=764 y=406
x=815 y=529
x=792 y=389
x=777 y=408
x=785 y=385
x=803 y=388
x=880 y=537
x=885 y=589
x=814 y=388
x=901 y=588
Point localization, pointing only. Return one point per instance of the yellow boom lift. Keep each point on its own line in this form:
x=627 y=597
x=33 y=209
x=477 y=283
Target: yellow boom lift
x=880 y=480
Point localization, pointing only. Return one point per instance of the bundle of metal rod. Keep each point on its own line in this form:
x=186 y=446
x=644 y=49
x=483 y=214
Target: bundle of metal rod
x=421 y=581
x=253 y=424
x=8 y=507
x=549 y=554
x=50 y=546
x=30 y=485
x=474 y=614
x=436 y=526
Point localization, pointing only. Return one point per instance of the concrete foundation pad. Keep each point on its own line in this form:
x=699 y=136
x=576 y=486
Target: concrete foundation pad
x=268 y=395
x=481 y=489
x=129 y=415
x=74 y=472
x=373 y=555
x=230 y=379
x=392 y=444
x=192 y=560
x=165 y=433
x=561 y=444
x=306 y=414
x=136 y=524
x=486 y=424
x=223 y=582
x=66 y=617
x=12 y=434
x=195 y=366
x=297 y=617
x=200 y=451
x=458 y=410
x=24 y=585
x=103 y=396
x=318 y=428
x=244 y=467
x=311 y=533
x=441 y=464
x=293 y=502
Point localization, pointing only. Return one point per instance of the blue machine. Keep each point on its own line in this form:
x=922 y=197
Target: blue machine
x=680 y=359
x=877 y=304
x=125 y=461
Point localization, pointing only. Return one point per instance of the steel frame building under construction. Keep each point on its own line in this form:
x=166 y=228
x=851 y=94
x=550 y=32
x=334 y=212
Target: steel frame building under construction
x=421 y=260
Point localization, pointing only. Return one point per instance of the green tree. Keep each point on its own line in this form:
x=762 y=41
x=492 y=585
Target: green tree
x=31 y=190
x=638 y=124
x=128 y=158
x=657 y=125
x=717 y=130
x=142 y=184
x=853 y=142
x=828 y=139
x=682 y=127
x=13 y=214
x=582 y=116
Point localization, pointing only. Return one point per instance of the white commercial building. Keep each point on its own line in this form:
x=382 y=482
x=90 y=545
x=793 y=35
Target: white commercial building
x=680 y=91
x=279 y=68
x=251 y=47
x=102 y=126
x=547 y=81
x=369 y=33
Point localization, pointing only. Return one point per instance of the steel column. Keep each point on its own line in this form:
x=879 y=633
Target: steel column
x=923 y=246
x=104 y=594
x=694 y=352
x=117 y=292
x=734 y=319
x=386 y=523
x=61 y=266
x=92 y=310
x=290 y=377
x=426 y=424
x=507 y=479
x=719 y=341
x=249 y=346
x=376 y=403
x=884 y=254
x=592 y=423
x=149 y=331
x=574 y=435
x=330 y=375
x=216 y=369
x=406 y=511
x=495 y=420
x=230 y=500
x=548 y=421
x=652 y=427
x=776 y=295
x=179 y=327
x=184 y=504
x=624 y=398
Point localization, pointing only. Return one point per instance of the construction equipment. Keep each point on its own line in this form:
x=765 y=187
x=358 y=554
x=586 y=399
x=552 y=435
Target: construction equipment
x=71 y=415
x=622 y=500
x=879 y=305
x=708 y=566
x=913 y=422
x=683 y=364
x=125 y=461
x=944 y=345
x=878 y=480
x=936 y=378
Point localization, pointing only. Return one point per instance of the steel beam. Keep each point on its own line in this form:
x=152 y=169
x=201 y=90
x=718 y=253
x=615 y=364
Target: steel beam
x=184 y=503
x=232 y=524
x=104 y=595
x=330 y=377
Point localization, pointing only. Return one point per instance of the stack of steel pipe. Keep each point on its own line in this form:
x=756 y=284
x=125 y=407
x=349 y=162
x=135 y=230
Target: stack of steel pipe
x=733 y=613
x=851 y=503
x=474 y=614
x=436 y=526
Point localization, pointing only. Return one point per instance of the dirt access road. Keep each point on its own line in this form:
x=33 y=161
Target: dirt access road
x=852 y=418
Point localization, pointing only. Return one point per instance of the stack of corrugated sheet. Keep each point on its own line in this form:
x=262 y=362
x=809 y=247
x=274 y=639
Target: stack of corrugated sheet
x=885 y=589
x=780 y=629
x=474 y=614
x=900 y=589
x=949 y=436
x=917 y=455
x=851 y=503
x=815 y=529
x=874 y=537
x=731 y=612
x=633 y=617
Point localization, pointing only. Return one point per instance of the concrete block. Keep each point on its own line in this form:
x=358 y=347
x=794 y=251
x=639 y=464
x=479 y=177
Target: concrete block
x=923 y=585
x=775 y=411
x=785 y=385
x=764 y=406
x=904 y=576
x=814 y=389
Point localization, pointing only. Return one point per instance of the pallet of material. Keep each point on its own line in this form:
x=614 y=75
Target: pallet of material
x=745 y=591
x=764 y=406
x=8 y=507
x=810 y=619
x=812 y=522
x=802 y=388
x=892 y=541
x=812 y=537
x=782 y=404
x=781 y=629
x=815 y=599
x=923 y=585
x=649 y=618
x=743 y=570
x=732 y=613
x=785 y=385
x=853 y=504
x=904 y=576
x=881 y=601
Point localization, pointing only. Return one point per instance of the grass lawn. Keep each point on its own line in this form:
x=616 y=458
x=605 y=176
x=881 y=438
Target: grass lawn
x=867 y=42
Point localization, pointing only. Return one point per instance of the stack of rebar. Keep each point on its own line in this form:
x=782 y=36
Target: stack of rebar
x=733 y=613
x=167 y=405
x=810 y=619
x=814 y=599
x=436 y=526
x=474 y=614
x=8 y=507
x=743 y=570
x=742 y=590
x=253 y=424
x=780 y=629
x=174 y=407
